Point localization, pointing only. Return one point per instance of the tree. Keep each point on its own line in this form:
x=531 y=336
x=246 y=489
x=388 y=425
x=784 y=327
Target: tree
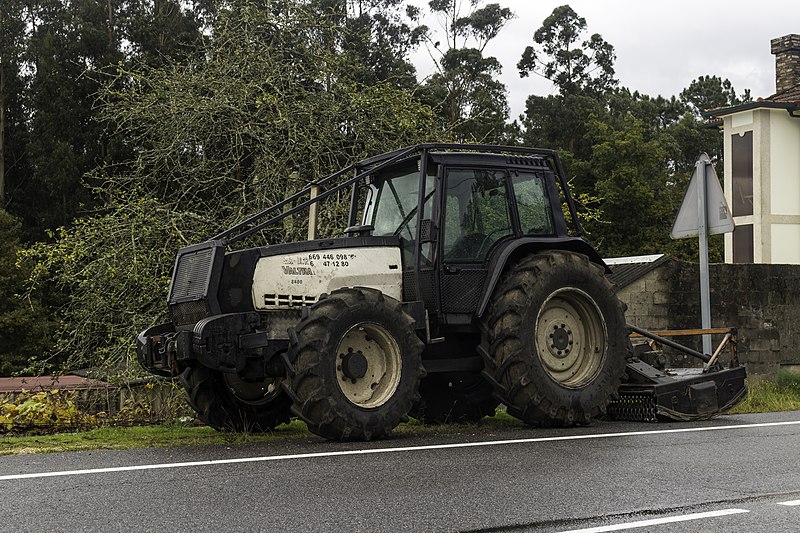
x=12 y=33
x=635 y=187
x=61 y=146
x=710 y=92
x=377 y=35
x=574 y=66
x=464 y=89
x=23 y=327
x=266 y=108
x=160 y=30
x=583 y=71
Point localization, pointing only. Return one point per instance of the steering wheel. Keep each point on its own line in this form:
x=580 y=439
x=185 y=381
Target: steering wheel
x=489 y=240
x=468 y=246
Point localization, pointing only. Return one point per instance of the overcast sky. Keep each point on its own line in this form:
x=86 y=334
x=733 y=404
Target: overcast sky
x=660 y=46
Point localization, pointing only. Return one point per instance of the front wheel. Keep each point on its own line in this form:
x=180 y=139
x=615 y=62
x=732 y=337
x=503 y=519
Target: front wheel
x=555 y=340
x=355 y=365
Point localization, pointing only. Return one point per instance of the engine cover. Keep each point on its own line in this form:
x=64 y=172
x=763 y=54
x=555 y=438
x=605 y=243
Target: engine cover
x=297 y=279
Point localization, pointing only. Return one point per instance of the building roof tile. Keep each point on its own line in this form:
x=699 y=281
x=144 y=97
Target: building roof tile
x=789 y=96
x=626 y=270
x=40 y=383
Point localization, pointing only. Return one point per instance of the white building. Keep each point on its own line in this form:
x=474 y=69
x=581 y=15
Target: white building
x=762 y=166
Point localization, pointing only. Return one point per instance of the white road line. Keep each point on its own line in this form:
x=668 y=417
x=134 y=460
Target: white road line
x=659 y=521
x=790 y=503
x=390 y=450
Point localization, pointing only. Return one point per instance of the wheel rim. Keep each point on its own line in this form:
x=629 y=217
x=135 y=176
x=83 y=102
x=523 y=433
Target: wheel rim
x=368 y=365
x=571 y=337
x=252 y=392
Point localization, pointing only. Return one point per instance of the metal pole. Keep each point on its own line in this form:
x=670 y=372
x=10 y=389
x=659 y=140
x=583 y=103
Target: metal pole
x=705 y=291
x=667 y=342
x=312 y=213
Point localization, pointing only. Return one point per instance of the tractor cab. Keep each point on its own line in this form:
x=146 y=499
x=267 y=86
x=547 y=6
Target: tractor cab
x=475 y=207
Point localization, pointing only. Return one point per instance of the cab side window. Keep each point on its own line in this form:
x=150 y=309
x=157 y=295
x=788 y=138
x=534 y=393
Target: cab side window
x=533 y=204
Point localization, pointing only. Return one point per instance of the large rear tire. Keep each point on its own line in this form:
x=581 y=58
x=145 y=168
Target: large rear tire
x=454 y=397
x=229 y=403
x=555 y=340
x=355 y=365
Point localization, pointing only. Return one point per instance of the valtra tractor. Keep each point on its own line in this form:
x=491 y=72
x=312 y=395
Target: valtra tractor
x=462 y=282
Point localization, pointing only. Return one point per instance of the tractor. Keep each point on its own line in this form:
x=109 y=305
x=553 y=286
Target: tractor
x=461 y=283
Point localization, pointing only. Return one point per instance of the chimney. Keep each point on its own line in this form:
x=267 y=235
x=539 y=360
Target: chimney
x=787 y=61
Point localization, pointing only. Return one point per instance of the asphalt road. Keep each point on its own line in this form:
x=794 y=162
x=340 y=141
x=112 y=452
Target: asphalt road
x=737 y=473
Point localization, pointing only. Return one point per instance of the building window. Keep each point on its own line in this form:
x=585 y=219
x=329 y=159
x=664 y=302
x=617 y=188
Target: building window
x=743 y=244
x=742 y=174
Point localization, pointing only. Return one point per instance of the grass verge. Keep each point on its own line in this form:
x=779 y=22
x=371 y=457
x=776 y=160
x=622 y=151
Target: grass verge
x=122 y=438
x=772 y=395
x=779 y=394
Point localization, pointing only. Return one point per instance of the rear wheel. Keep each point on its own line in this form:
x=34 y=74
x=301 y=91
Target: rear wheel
x=452 y=397
x=555 y=340
x=230 y=403
x=355 y=365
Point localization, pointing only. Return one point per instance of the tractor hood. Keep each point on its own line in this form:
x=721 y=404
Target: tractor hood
x=297 y=278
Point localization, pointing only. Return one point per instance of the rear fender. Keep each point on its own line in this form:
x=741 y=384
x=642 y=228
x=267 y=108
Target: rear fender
x=507 y=254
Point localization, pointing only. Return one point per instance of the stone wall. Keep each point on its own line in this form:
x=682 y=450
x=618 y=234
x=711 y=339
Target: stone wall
x=762 y=301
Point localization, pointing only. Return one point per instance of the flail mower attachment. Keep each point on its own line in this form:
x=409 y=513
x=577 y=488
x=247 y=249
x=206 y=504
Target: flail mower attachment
x=651 y=393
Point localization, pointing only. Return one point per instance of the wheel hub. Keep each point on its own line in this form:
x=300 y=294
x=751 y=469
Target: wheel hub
x=354 y=364
x=561 y=339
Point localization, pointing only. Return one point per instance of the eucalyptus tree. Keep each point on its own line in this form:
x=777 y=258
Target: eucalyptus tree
x=464 y=88
x=581 y=68
x=563 y=55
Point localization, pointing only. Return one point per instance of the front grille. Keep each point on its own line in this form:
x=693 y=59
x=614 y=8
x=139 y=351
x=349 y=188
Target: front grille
x=189 y=312
x=192 y=274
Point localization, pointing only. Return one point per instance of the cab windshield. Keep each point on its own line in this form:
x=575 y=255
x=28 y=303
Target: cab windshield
x=392 y=206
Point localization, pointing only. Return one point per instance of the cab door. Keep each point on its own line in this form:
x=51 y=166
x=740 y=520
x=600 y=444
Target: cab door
x=476 y=215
